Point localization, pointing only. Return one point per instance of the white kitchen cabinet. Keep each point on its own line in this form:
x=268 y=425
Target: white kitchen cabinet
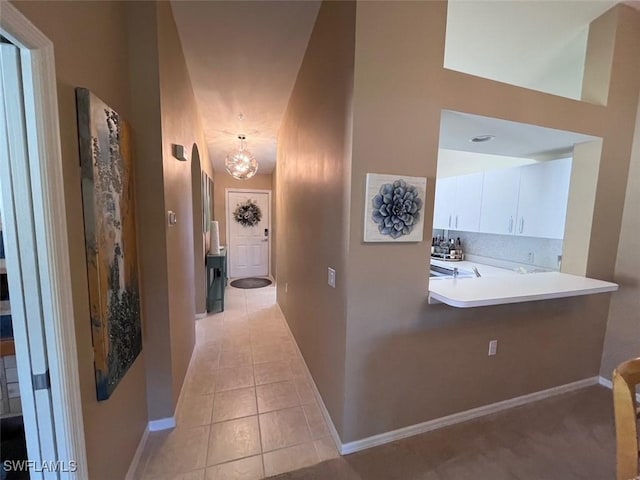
x=542 y=199
x=500 y=201
x=457 y=202
x=468 y=203
x=530 y=201
x=445 y=200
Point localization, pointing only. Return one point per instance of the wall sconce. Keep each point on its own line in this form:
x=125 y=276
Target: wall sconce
x=178 y=152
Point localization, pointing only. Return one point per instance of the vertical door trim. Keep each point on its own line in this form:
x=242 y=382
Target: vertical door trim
x=43 y=136
x=227 y=191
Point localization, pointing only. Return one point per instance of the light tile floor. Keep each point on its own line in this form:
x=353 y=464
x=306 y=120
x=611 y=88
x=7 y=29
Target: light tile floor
x=247 y=409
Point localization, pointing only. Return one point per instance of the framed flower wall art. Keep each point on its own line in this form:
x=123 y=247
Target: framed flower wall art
x=394 y=208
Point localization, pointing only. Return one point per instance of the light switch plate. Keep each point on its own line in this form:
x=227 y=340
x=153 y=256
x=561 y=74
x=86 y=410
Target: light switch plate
x=493 y=347
x=331 y=280
x=171 y=218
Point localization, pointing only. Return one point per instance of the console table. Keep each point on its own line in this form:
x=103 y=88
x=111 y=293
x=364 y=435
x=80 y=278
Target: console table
x=216 y=281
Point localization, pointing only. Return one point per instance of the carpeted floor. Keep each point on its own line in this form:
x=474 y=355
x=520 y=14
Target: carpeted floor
x=568 y=437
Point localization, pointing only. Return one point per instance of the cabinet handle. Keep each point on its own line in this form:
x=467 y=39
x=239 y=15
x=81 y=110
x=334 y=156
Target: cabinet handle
x=449 y=221
x=456 y=221
x=510 y=224
x=521 y=224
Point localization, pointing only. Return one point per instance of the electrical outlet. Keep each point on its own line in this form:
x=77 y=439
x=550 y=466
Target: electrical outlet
x=493 y=347
x=332 y=278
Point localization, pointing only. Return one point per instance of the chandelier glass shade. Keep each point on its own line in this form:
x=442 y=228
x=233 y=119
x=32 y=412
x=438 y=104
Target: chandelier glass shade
x=240 y=163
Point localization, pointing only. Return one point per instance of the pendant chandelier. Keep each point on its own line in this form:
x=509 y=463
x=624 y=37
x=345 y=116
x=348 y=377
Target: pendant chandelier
x=240 y=163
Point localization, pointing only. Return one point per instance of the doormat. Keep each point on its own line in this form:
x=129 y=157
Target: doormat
x=251 y=282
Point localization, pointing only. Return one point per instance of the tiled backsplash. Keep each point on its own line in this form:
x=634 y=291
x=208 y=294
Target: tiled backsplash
x=538 y=252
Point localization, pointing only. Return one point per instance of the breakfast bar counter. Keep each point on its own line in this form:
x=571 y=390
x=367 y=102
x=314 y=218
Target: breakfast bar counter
x=515 y=288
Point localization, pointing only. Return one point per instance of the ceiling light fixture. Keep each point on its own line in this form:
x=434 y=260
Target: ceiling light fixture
x=482 y=138
x=240 y=163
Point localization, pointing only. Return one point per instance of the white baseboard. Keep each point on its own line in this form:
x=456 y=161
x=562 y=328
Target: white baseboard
x=136 y=456
x=605 y=382
x=387 y=437
x=316 y=392
x=155 y=426
x=184 y=381
x=162 y=424
x=394 y=435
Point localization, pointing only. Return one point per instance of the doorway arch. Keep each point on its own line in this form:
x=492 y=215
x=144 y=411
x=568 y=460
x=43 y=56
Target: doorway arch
x=198 y=232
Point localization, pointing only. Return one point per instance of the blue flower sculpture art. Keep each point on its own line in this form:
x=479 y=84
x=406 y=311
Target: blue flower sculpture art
x=396 y=209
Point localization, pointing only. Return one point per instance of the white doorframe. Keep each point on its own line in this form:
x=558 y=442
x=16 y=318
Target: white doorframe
x=47 y=195
x=227 y=191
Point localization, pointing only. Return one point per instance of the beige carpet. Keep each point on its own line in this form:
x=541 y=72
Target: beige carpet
x=567 y=437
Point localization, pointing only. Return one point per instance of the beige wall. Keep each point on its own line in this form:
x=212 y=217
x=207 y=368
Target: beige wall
x=223 y=181
x=145 y=95
x=431 y=345
x=582 y=197
x=78 y=30
x=407 y=362
x=597 y=65
x=312 y=200
x=180 y=125
x=622 y=340
x=164 y=113
x=129 y=55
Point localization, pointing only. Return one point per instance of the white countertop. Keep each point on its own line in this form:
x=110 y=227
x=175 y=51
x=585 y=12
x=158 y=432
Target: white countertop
x=494 y=289
x=485 y=270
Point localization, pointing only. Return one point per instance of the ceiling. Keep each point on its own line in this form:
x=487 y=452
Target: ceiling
x=512 y=139
x=243 y=58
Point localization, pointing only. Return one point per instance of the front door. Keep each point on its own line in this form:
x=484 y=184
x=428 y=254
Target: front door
x=248 y=233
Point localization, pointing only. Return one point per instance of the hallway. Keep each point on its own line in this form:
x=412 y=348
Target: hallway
x=247 y=408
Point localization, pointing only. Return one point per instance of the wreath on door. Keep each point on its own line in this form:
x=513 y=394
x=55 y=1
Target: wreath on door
x=247 y=214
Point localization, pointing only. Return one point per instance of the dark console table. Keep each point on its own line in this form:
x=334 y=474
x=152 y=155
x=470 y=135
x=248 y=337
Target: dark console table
x=216 y=281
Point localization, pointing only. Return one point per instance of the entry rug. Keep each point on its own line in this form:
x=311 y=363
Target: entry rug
x=251 y=282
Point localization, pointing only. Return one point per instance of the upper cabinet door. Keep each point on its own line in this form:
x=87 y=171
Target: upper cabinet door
x=468 y=203
x=500 y=201
x=445 y=202
x=542 y=203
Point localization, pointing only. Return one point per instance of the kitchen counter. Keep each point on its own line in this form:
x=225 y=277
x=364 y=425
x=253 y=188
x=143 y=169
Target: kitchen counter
x=492 y=288
x=485 y=270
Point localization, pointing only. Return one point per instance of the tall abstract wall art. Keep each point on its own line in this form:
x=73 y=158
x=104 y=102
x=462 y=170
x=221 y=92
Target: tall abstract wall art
x=394 y=208
x=110 y=239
